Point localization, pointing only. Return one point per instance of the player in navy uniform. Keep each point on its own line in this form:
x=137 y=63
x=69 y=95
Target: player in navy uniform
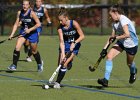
x=127 y=40
x=29 y=24
x=40 y=12
x=70 y=36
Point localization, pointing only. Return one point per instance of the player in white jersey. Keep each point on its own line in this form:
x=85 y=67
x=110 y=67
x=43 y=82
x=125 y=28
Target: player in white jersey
x=125 y=34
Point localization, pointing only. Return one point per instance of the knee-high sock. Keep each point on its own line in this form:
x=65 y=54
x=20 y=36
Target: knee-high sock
x=37 y=58
x=108 y=69
x=133 y=68
x=29 y=53
x=16 y=55
x=61 y=74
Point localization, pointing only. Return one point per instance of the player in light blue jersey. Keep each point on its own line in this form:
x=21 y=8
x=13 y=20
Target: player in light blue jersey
x=125 y=34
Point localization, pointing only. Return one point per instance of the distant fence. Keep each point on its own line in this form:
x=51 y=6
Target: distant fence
x=91 y=17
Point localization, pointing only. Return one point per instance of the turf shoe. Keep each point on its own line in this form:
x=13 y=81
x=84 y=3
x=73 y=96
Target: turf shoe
x=103 y=82
x=29 y=59
x=132 y=78
x=40 y=67
x=56 y=85
x=12 y=67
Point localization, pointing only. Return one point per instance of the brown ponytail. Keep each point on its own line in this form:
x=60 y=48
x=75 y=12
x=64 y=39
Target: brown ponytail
x=63 y=12
x=116 y=8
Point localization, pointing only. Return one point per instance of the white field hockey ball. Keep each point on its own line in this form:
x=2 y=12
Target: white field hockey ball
x=46 y=87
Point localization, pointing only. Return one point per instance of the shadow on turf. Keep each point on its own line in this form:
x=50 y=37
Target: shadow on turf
x=22 y=60
x=102 y=87
x=43 y=86
x=8 y=71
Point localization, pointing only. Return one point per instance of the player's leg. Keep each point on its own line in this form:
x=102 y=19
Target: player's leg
x=69 y=65
x=16 y=53
x=62 y=71
x=29 y=55
x=39 y=30
x=130 y=52
x=26 y=46
x=114 y=51
x=59 y=57
x=37 y=56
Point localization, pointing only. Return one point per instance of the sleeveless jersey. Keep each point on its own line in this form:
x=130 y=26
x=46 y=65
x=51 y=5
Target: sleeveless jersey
x=70 y=34
x=130 y=42
x=27 y=21
x=39 y=12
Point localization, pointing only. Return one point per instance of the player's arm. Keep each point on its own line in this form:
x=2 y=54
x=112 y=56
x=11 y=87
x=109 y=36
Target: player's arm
x=16 y=24
x=38 y=24
x=80 y=32
x=112 y=35
x=126 y=33
x=103 y=53
x=81 y=35
x=61 y=40
x=47 y=16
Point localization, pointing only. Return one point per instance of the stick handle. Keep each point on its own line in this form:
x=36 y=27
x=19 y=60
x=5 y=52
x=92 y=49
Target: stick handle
x=57 y=69
x=54 y=74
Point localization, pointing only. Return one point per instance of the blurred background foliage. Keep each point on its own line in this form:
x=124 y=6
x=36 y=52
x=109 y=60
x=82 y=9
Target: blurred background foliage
x=93 y=20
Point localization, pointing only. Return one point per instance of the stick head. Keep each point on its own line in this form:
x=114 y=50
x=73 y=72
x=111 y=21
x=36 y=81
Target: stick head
x=91 y=68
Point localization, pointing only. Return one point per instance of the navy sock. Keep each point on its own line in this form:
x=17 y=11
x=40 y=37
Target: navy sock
x=29 y=53
x=61 y=74
x=37 y=58
x=16 y=55
x=133 y=68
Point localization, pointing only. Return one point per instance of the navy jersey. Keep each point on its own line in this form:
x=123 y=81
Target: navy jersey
x=39 y=12
x=27 y=20
x=70 y=34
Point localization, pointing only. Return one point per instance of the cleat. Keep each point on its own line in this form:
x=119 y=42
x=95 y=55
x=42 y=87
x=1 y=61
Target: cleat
x=29 y=59
x=103 y=82
x=132 y=78
x=40 y=67
x=12 y=67
x=56 y=85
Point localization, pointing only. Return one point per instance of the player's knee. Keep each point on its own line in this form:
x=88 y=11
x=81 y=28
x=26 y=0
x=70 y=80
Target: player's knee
x=109 y=57
x=129 y=64
x=17 y=49
x=65 y=64
x=34 y=51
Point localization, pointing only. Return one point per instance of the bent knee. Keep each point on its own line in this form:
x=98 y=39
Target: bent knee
x=129 y=64
x=109 y=57
x=34 y=51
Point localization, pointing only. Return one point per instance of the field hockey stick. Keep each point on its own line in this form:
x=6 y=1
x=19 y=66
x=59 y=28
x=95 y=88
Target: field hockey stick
x=99 y=60
x=61 y=64
x=9 y=39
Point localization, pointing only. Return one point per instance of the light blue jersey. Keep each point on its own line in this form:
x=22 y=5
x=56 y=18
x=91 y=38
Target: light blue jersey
x=130 y=42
